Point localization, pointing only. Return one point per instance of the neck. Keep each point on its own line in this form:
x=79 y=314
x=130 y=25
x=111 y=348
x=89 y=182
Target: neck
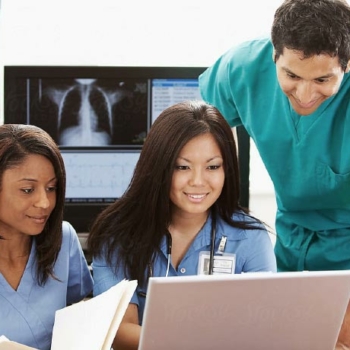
x=187 y=225
x=15 y=248
x=183 y=230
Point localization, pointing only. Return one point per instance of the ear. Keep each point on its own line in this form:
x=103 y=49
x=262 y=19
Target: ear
x=274 y=55
x=347 y=67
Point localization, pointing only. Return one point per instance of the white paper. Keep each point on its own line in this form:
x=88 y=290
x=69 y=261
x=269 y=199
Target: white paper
x=92 y=324
x=122 y=306
x=6 y=344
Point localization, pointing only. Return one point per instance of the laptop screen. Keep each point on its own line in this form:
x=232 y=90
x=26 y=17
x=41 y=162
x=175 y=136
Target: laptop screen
x=287 y=310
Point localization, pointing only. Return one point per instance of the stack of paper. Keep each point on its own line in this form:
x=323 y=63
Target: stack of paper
x=92 y=324
x=88 y=325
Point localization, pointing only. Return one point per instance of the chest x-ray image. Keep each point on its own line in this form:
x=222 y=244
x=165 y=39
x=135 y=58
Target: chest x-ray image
x=85 y=112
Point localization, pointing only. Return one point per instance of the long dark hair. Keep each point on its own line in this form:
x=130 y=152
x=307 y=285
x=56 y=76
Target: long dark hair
x=313 y=27
x=135 y=224
x=17 y=141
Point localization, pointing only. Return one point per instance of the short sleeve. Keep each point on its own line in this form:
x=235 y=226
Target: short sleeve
x=215 y=88
x=80 y=282
x=106 y=277
x=261 y=256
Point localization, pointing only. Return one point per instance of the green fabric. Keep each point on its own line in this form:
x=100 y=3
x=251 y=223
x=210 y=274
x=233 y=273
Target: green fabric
x=307 y=157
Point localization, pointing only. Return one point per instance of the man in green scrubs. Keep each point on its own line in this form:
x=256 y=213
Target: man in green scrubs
x=292 y=94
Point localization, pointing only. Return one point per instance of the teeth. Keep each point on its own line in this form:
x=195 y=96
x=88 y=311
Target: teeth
x=196 y=196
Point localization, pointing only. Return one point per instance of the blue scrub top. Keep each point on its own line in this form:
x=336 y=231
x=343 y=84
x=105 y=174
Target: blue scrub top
x=27 y=315
x=307 y=157
x=253 y=250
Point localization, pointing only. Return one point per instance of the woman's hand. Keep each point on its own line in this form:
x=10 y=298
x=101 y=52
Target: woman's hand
x=343 y=342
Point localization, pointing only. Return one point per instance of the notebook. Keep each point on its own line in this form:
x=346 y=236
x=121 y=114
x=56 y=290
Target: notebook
x=286 y=310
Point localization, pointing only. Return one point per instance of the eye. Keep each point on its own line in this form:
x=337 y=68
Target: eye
x=27 y=190
x=182 y=167
x=214 y=167
x=322 y=80
x=52 y=189
x=292 y=76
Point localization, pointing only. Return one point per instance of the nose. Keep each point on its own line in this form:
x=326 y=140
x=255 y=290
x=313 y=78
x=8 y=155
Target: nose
x=304 y=92
x=42 y=199
x=197 y=177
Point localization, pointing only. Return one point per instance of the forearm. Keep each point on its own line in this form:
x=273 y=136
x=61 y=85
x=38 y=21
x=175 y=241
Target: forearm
x=343 y=342
x=128 y=337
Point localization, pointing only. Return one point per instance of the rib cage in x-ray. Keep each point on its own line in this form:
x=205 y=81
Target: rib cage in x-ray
x=85 y=113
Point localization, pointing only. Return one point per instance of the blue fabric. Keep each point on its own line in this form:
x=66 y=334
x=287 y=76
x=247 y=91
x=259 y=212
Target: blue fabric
x=27 y=315
x=307 y=157
x=253 y=249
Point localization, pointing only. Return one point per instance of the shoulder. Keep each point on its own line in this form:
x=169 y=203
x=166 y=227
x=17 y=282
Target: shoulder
x=69 y=234
x=243 y=65
x=250 y=53
x=256 y=46
x=241 y=216
x=68 y=230
x=238 y=233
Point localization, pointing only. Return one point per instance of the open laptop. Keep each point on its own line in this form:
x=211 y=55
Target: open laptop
x=286 y=310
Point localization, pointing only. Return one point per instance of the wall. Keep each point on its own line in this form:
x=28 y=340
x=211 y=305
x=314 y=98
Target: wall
x=136 y=32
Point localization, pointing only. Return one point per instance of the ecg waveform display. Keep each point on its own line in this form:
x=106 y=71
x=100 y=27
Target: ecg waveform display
x=98 y=176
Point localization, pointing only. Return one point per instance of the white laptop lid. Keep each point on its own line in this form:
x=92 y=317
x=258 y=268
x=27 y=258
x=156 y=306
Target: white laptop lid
x=286 y=310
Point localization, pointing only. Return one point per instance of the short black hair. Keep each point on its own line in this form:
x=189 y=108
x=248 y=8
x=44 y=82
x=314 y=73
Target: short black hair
x=313 y=27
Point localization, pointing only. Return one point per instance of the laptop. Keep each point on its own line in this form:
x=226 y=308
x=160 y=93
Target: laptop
x=274 y=311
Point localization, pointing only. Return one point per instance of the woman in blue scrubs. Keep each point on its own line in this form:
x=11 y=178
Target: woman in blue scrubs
x=180 y=214
x=42 y=266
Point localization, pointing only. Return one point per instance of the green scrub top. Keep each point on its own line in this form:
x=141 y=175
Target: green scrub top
x=307 y=157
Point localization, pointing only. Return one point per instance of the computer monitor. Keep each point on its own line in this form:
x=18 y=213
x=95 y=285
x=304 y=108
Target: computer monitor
x=99 y=117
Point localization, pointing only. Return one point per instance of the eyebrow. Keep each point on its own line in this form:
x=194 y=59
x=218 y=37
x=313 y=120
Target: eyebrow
x=208 y=160
x=35 y=180
x=322 y=77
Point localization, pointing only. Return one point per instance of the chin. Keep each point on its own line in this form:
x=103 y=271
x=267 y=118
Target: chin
x=34 y=232
x=305 y=111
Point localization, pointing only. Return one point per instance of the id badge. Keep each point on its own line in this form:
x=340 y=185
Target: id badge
x=223 y=264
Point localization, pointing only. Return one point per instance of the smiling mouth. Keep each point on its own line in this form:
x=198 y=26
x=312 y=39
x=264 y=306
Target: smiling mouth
x=306 y=105
x=196 y=196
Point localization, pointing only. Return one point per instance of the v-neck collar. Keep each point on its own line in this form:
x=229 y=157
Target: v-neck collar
x=301 y=124
x=28 y=278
